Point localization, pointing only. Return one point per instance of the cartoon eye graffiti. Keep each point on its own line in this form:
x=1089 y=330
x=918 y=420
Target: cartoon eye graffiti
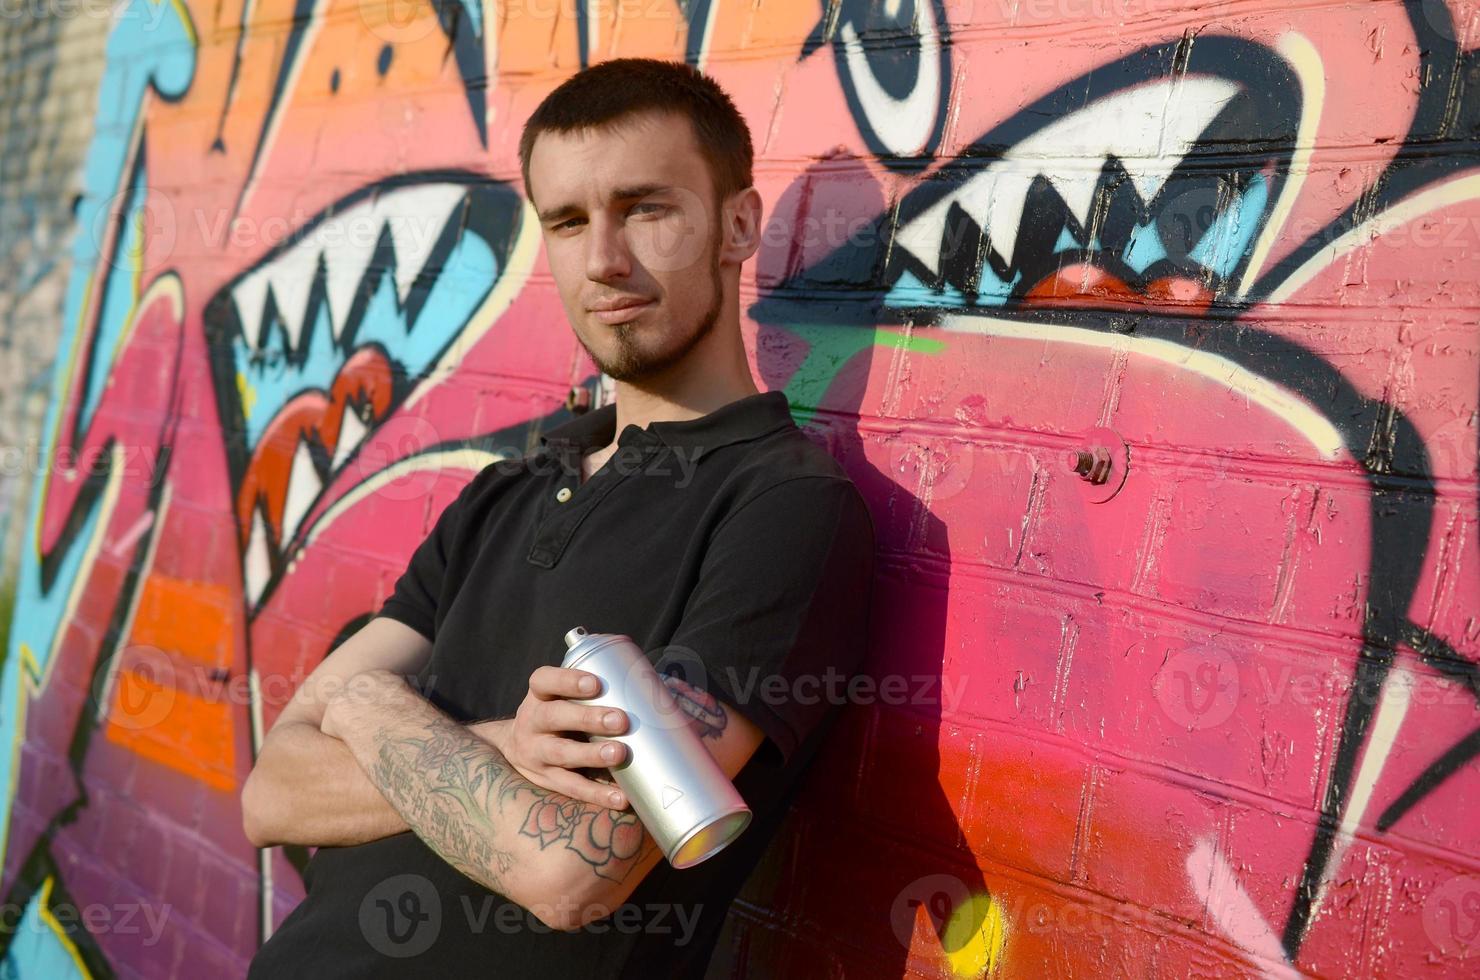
x=894 y=66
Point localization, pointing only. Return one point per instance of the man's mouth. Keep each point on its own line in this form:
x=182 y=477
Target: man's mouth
x=623 y=311
x=323 y=338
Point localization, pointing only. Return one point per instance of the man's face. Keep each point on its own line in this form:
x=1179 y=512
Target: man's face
x=630 y=221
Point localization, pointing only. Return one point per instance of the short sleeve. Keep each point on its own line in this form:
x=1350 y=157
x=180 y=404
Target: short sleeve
x=418 y=591
x=779 y=616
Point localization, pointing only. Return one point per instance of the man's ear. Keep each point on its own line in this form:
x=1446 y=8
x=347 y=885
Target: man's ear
x=742 y=226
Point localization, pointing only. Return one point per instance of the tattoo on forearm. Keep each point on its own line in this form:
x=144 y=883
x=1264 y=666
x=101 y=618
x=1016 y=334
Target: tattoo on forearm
x=448 y=791
x=611 y=841
x=704 y=707
x=458 y=791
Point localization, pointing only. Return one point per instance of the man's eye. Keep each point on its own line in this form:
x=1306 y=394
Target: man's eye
x=649 y=208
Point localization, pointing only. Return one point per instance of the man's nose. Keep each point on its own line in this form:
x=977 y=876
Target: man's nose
x=607 y=257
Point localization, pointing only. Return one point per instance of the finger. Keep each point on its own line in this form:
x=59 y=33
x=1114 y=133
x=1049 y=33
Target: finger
x=586 y=790
x=602 y=776
x=568 y=716
x=570 y=754
x=549 y=682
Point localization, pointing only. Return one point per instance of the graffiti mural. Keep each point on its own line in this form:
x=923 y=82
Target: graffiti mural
x=1150 y=334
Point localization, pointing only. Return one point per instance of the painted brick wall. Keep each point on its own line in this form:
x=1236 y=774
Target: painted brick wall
x=1149 y=329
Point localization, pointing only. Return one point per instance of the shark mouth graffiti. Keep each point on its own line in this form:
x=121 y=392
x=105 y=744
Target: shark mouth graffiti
x=1192 y=146
x=1023 y=237
x=301 y=342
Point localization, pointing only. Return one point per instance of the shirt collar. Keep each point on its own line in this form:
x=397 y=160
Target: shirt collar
x=742 y=419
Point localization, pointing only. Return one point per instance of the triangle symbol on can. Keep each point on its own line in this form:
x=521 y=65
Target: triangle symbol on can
x=671 y=795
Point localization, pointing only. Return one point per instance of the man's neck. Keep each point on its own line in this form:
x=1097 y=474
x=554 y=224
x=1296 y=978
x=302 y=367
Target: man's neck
x=715 y=373
x=637 y=406
x=640 y=406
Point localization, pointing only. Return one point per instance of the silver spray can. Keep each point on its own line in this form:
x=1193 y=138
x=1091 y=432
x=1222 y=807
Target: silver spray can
x=681 y=795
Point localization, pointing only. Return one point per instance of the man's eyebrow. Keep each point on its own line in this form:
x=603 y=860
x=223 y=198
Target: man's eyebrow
x=618 y=194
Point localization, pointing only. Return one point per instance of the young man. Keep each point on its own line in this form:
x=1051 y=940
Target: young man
x=690 y=514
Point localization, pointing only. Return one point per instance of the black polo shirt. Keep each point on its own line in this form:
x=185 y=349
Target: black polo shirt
x=731 y=547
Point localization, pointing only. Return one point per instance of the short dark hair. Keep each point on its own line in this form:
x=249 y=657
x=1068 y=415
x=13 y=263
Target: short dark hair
x=610 y=92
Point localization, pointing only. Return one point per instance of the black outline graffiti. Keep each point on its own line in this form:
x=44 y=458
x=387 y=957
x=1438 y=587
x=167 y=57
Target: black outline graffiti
x=492 y=210
x=696 y=14
x=896 y=66
x=467 y=41
x=1394 y=458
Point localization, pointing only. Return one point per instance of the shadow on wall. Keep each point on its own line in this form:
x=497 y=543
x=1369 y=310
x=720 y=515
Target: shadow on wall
x=873 y=852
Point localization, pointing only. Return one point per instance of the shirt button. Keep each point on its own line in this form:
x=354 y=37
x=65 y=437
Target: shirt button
x=563 y=494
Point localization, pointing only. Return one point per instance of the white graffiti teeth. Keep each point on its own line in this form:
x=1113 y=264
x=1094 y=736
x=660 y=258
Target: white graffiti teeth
x=304 y=485
x=308 y=475
x=392 y=231
x=257 y=563
x=351 y=431
x=414 y=217
x=1148 y=129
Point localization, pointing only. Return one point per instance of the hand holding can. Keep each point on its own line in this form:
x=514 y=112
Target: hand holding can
x=547 y=741
x=683 y=797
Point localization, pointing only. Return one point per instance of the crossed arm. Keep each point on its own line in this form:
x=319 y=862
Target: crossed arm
x=358 y=755
x=549 y=853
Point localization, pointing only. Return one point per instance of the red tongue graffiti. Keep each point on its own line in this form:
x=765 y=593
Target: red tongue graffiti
x=300 y=450
x=1085 y=286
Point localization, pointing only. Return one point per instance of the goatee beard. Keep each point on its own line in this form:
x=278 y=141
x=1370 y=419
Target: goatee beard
x=630 y=364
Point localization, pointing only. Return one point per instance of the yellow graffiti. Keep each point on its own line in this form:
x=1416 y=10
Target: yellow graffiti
x=247 y=392
x=43 y=906
x=975 y=936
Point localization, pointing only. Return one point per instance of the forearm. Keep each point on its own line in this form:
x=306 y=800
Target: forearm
x=307 y=789
x=542 y=849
